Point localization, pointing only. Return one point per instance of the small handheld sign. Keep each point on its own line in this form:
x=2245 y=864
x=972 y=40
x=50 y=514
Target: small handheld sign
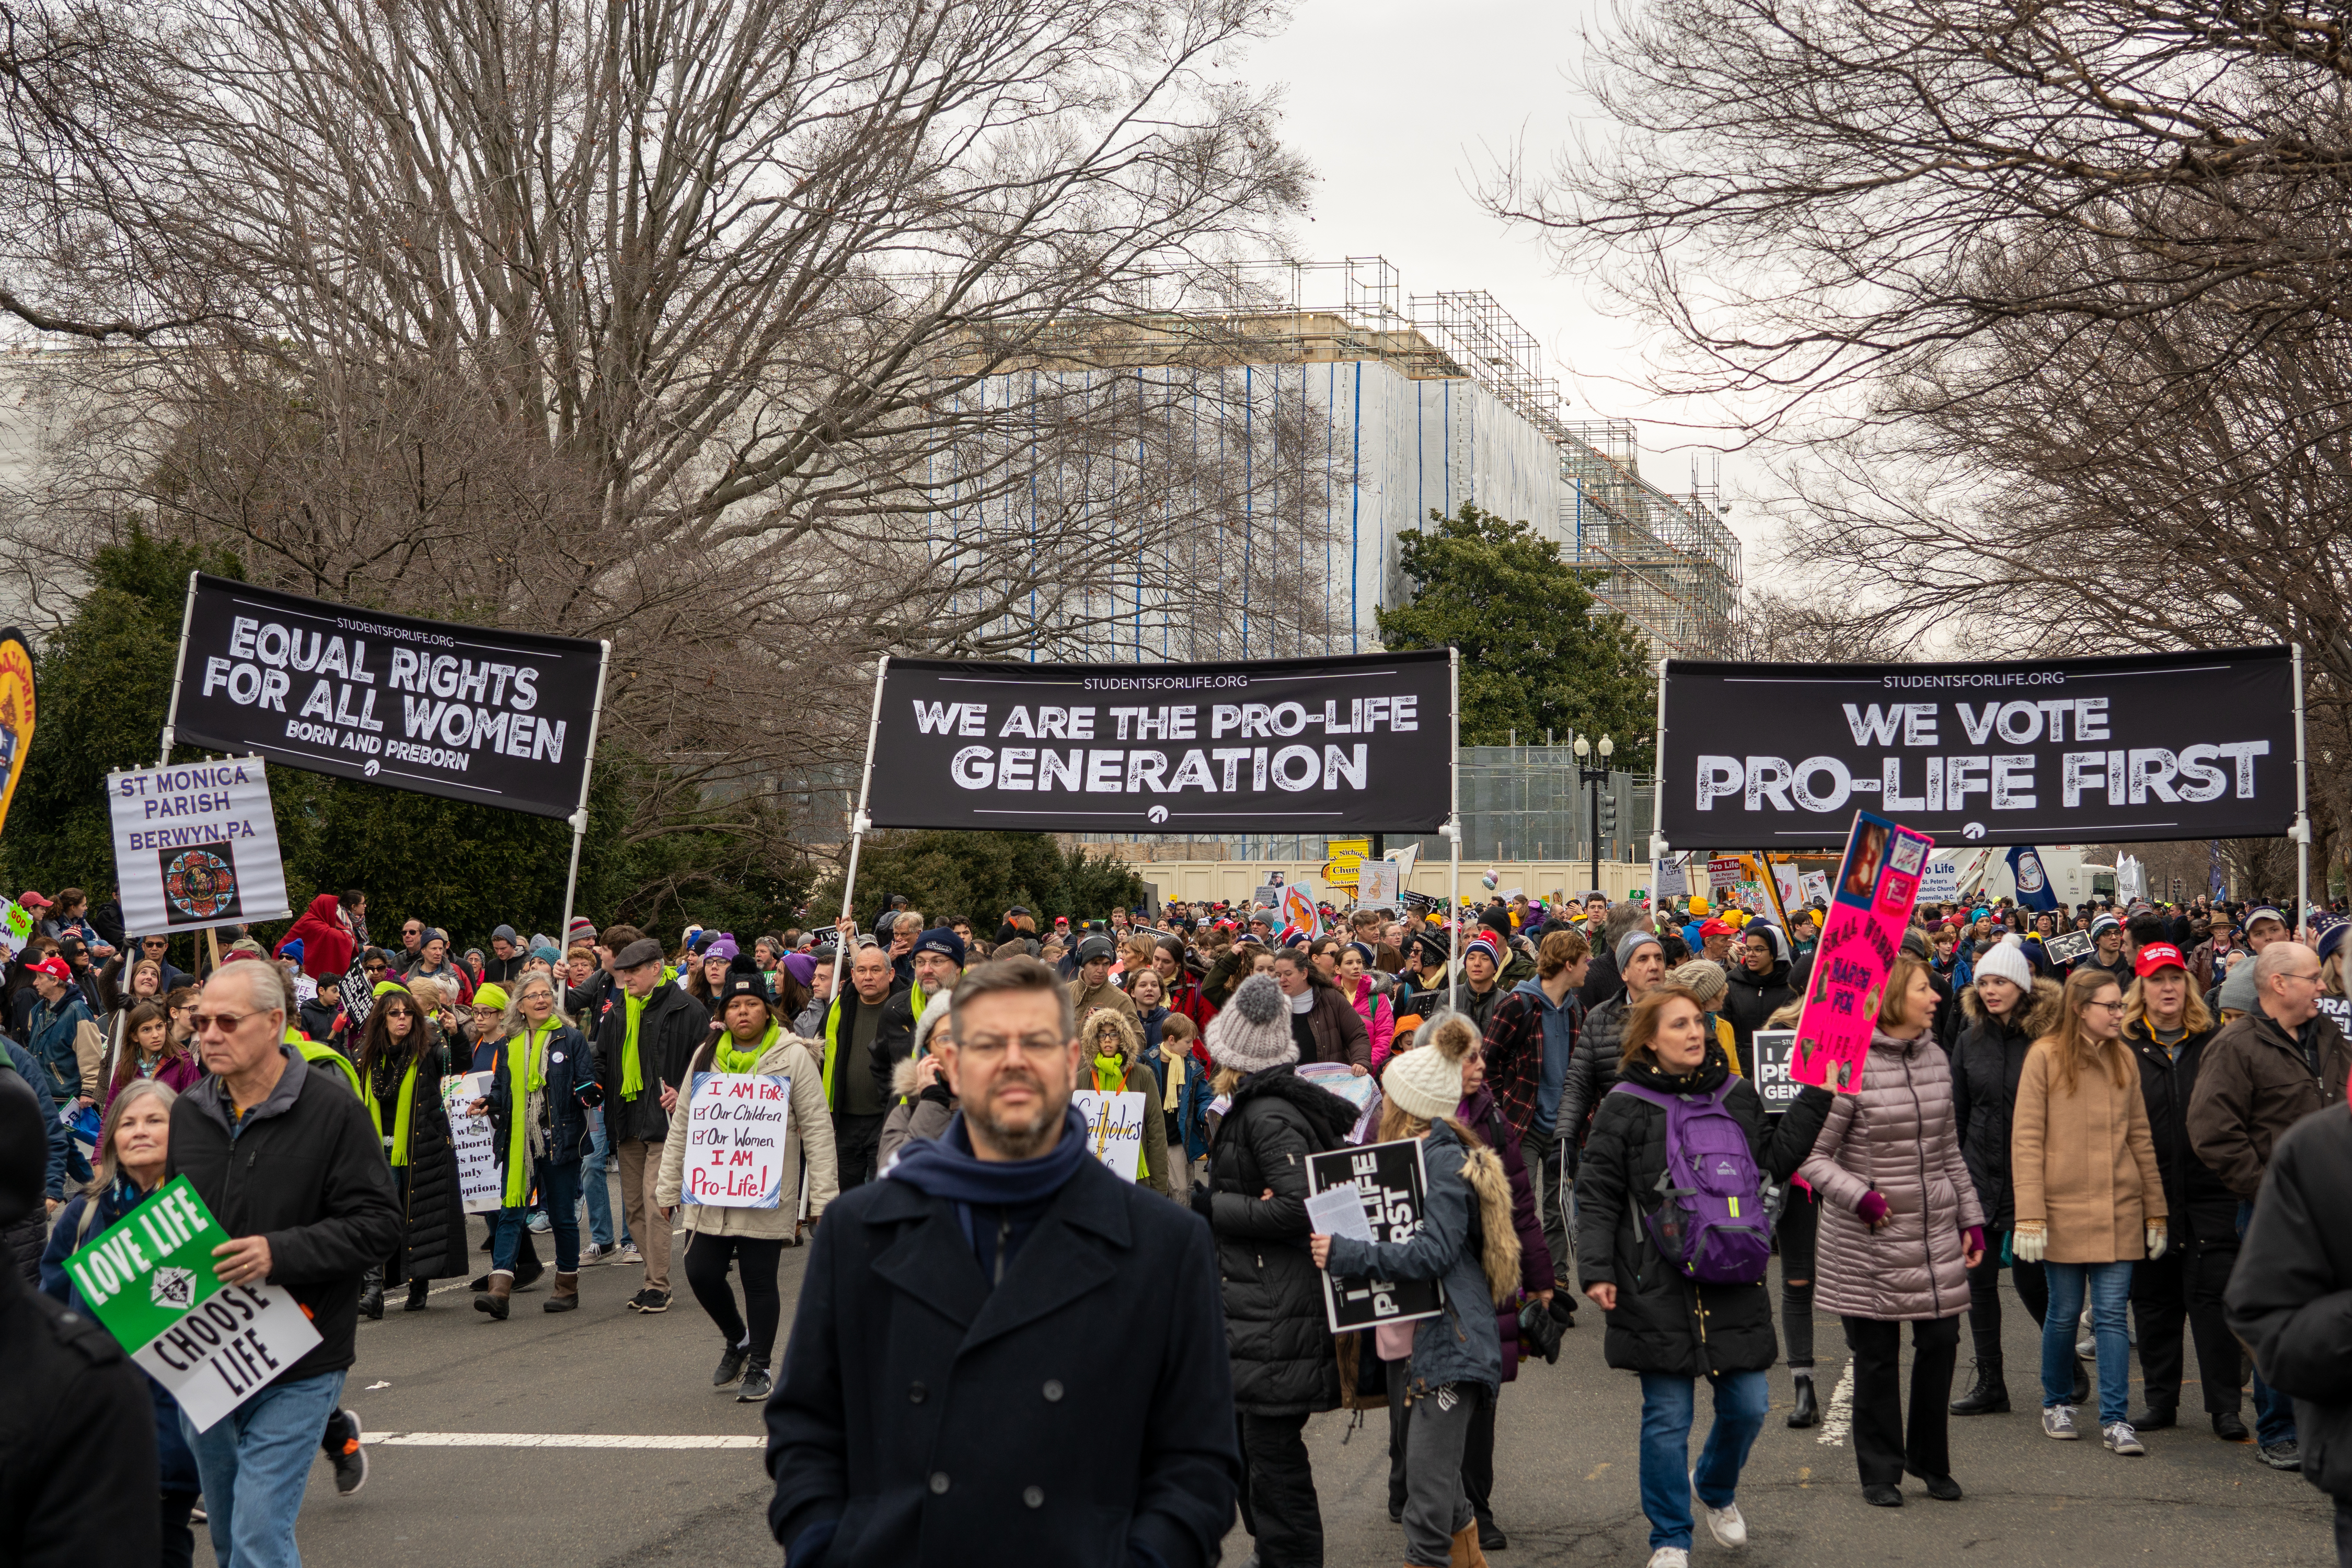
x=149 y=1279
x=737 y=1133
x=1114 y=1129
x=1393 y=1183
x=470 y=1136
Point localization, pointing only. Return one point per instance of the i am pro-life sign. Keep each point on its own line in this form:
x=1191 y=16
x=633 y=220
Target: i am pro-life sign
x=149 y=1279
x=738 y=1131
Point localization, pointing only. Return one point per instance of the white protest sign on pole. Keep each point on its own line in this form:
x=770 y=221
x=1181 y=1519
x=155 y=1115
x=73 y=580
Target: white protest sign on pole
x=1940 y=882
x=1378 y=882
x=149 y=1279
x=1722 y=872
x=478 y=1154
x=1815 y=885
x=195 y=846
x=737 y=1133
x=1114 y=1129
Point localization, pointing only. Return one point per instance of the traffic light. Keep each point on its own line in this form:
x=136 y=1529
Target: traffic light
x=1608 y=816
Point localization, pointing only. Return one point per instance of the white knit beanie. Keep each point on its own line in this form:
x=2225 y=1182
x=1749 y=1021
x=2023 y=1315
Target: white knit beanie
x=1426 y=1081
x=1252 y=1030
x=2006 y=959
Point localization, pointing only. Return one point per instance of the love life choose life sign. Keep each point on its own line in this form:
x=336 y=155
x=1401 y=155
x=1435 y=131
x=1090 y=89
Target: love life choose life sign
x=738 y=1137
x=149 y=1279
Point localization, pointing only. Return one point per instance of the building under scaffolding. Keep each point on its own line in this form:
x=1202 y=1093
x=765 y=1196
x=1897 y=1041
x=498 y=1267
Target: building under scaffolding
x=1396 y=407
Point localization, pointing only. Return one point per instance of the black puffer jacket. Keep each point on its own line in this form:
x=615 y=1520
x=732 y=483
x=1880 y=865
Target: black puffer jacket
x=1986 y=1058
x=1751 y=999
x=1664 y=1322
x=1592 y=1068
x=1283 y=1356
x=433 y=1216
x=2201 y=1207
x=2286 y=1294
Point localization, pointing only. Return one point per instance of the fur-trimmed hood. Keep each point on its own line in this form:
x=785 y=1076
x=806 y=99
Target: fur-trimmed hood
x=1130 y=1037
x=2036 y=1018
x=1499 y=1255
x=903 y=1081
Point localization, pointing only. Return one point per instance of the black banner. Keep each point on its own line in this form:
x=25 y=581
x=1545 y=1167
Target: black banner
x=1392 y=1182
x=466 y=712
x=1274 y=746
x=2074 y=750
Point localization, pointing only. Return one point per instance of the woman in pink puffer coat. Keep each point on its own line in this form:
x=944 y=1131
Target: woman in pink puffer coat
x=1900 y=1226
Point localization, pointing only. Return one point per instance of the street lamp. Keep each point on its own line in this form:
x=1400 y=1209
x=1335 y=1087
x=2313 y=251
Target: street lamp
x=1592 y=779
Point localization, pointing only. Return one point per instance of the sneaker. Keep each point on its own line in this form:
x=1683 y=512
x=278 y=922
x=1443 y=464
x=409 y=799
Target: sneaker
x=197 y=1515
x=649 y=1301
x=2286 y=1456
x=730 y=1366
x=1724 y=1523
x=758 y=1384
x=2058 y=1421
x=349 y=1456
x=1670 y=1557
x=539 y=1222
x=2120 y=1439
x=629 y=1253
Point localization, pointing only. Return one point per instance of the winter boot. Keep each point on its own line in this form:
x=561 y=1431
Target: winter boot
x=371 y=1294
x=1806 y=1410
x=494 y=1300
x=1987 y=1395
x=2082 y=1394
x=417 y=1290
x=1466 y=1551
x=567 y=1294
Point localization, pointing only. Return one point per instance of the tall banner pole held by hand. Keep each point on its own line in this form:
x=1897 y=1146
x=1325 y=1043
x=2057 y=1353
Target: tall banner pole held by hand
x=580 y=817
x=2302 y=833
x=179 y=670
x=1453 y=823
x=860 y=823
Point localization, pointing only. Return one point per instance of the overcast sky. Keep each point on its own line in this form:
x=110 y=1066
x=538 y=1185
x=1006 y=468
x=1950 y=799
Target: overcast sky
x=1402 y=108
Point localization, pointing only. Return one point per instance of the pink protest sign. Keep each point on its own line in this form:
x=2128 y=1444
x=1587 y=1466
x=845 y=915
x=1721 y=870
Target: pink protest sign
x=1870 y=903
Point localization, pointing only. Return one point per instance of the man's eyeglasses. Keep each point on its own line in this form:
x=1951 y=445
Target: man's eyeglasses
x=227 y=1023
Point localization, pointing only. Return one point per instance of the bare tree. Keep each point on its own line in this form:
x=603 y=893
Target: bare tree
x=1778 y=627
x=760 y=338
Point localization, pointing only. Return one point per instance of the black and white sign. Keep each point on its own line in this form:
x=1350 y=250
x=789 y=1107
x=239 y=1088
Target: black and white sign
x=1277 y=745
x=1391 y=1180
x=1773 y=1049
x=2159 y=746
x=460 y=711
x=2066 y=947
x=195 y=846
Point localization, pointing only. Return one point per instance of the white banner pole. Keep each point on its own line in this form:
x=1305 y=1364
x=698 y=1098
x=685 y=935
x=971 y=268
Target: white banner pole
x=2301 y=809
x=579 y=816
x=1659 y=847
x=179 y=669
x=859 y=824
x=1453 y=823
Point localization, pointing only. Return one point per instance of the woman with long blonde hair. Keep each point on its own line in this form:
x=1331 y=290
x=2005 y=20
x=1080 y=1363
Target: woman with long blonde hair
x=2090 y=1201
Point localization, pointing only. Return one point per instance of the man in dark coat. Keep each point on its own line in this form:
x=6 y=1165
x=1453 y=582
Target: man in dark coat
x=647 y=1030
x=2286 y=1300
x=78 y=1471
x=288 y=1162
x=1001 y=1352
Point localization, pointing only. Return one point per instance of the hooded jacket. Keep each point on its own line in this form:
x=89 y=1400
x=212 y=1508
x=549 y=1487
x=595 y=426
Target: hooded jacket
x=1663 y=1322
x=1514 y=1050
x=1282 y=1354
x=812 y=1146
x=918 y=1111
x=1896 y=1136
x=1986 y=1061
x=1749 y=999
x=2204 y=1211
x=1135 y=1078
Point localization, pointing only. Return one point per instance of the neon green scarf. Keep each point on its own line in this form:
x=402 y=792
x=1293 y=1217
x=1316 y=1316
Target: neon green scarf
x=1110 y=1074
x=526 y=1076
x=399 y=1116
x=633 y=1078
x=724 y=1057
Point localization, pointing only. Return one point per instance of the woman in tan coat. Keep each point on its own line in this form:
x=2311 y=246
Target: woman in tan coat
x=2090 y=1200
x=1900 y=1228
x=750 y=1039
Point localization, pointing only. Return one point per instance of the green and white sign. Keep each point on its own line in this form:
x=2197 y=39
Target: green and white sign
x=149 y=1279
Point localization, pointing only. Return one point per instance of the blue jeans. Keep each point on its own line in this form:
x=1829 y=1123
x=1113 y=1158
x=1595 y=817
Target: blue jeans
x=69 y=1169
x=559 y=1190
x=1741 y=1399
x=2109 y=1285
x=2273 y=1411
x=593 y=1184
x=254 y=1462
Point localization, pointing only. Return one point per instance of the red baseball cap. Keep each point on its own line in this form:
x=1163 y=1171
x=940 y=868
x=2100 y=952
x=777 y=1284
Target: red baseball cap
x=32 y=901
x=1715 y=927
x=2157 y=955
x=53 y=966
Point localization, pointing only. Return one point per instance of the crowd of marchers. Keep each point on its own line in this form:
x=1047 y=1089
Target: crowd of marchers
x=997 y=1337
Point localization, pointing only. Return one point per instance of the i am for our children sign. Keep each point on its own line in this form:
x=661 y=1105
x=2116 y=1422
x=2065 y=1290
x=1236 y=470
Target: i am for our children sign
x=149 y=1279
x=737 y=1133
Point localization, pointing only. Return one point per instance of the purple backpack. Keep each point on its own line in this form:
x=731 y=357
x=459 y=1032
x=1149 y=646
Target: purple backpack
x=1712 y=1225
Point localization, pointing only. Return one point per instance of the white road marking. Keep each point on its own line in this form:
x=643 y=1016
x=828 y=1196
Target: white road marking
x=1838 y=1419
x=555 y=1440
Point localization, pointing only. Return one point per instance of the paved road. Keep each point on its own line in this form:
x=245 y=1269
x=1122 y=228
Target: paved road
x=1566 y=1484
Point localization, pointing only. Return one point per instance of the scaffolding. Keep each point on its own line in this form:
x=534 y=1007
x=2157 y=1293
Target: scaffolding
x=1672 y=564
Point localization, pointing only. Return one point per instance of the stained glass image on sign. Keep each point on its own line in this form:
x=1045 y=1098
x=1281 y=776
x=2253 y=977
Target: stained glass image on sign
x=199 y=882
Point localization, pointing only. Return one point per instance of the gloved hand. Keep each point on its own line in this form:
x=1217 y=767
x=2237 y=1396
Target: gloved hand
x=2157 y=1241
x=1873 y=1209
x=590 y=1094
x=1205 y=1202
x=2031 y=1241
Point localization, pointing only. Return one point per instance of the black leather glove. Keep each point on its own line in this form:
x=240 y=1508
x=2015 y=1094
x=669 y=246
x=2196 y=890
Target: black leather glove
x=1205 y=1202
